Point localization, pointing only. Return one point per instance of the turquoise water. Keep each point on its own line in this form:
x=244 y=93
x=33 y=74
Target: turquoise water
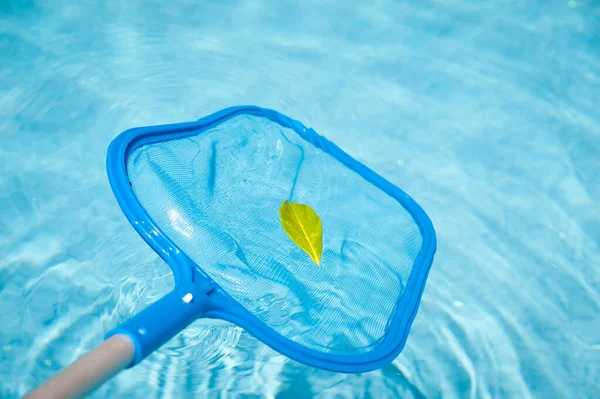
x=485 y=112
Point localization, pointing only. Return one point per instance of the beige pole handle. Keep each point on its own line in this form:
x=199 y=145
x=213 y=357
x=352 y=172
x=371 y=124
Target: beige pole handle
x=88 y=372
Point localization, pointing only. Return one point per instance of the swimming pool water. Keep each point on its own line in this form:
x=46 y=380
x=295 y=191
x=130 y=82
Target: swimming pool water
x=484 y=112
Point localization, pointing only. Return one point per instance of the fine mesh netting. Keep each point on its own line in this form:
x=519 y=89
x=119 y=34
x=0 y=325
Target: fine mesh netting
x=217 y=196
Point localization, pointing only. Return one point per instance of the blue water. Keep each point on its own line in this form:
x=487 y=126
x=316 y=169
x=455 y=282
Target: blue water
x=485 y=112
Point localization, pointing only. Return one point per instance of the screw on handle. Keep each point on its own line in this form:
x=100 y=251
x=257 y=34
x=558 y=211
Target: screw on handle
x=88 y=372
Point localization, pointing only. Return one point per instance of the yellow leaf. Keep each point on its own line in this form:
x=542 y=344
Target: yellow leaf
x=304 y=227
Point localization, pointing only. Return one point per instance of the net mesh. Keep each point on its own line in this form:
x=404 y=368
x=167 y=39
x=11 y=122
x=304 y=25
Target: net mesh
x=217 y=196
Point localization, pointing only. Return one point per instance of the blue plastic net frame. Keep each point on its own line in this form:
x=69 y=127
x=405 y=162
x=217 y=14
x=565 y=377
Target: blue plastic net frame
x=197 y=295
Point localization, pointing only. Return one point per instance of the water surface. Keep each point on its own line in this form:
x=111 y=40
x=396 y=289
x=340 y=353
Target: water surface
x=484 y=112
